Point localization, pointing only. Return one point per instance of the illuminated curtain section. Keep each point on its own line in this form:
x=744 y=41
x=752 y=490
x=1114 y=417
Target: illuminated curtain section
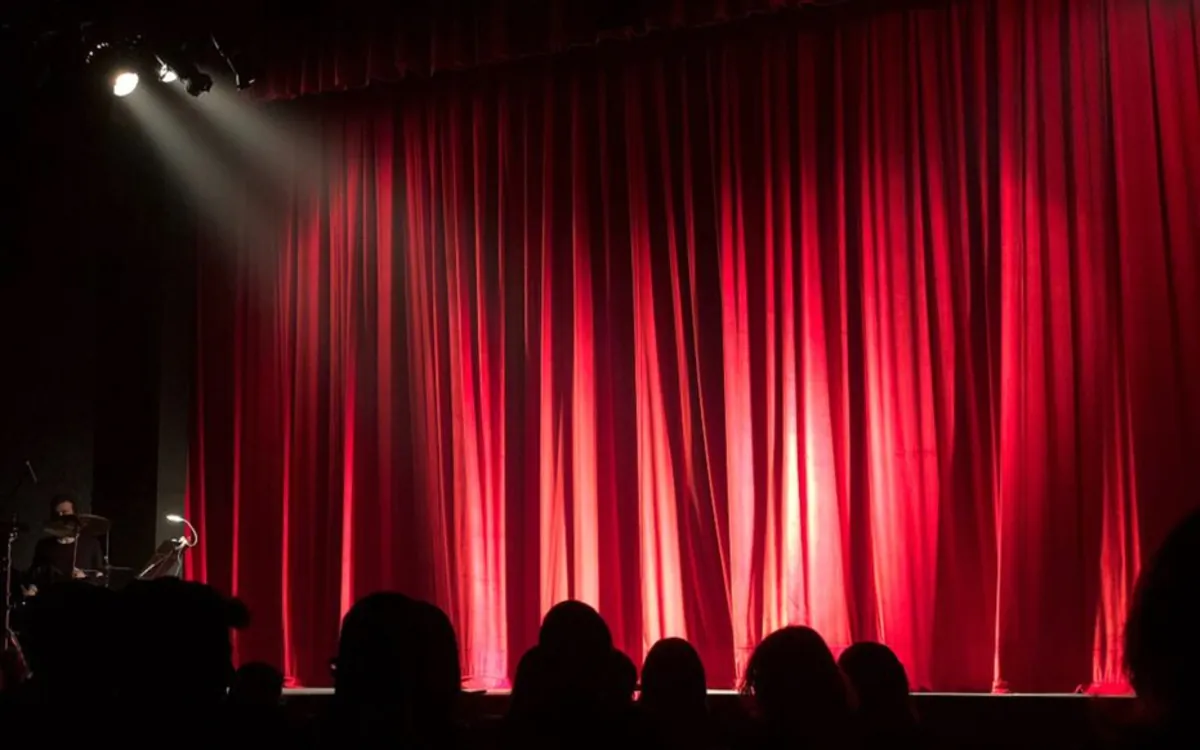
x=883 y=326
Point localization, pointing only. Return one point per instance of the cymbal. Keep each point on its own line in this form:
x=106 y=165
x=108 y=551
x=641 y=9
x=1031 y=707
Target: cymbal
x=84 y=523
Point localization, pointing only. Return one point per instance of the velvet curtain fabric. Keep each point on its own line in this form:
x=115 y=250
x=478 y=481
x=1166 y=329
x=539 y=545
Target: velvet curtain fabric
x=888 y=328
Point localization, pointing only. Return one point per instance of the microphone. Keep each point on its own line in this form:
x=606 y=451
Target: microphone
x=32 y=473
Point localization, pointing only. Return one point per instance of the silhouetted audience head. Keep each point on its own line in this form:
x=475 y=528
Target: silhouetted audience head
x=575 y=652
x=438 y=671
x=178 y=645
x=797 y=684
x=256 y=684
x=374 y=648
x=881 y=687
x=528 y=683
x=877 y=676
x=624 y=679
x=572 y=628
x=673 y=680
x=1162 y=633
x=573 y=687
x=398 y=668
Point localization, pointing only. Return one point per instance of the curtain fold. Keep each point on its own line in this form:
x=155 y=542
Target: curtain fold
x=886 y=327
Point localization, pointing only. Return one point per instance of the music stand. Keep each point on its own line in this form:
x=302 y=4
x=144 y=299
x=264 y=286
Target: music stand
x=166 y=561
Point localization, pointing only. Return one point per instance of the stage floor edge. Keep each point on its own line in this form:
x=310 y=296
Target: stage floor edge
x=329 y=691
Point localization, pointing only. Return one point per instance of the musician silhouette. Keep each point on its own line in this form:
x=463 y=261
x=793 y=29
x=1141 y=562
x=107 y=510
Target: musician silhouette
x=69 y=552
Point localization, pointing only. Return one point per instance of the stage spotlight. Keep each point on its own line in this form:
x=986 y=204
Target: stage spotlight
x=183 y=65
x=198 y=84
x=124 y=83
x=117 y=66
x=166 y=75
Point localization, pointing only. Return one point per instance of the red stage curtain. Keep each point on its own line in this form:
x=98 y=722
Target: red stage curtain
x=349 y=49
x=888 y=328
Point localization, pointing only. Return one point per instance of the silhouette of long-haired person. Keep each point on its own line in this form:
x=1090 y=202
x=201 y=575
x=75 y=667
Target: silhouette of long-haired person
x=568 y=688
x=526 y=699
x=884 y=714
x=674 y=696
x=1162 y=641
x=623 y=683
x=801 y=695
x=256 y=684
x=397 y=676
x=177 y=659
x=254 y=704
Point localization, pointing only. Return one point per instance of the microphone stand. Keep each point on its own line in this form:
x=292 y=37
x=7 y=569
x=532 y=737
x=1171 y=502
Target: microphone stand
x=160 y=560
x=11 y=642
x=12 y=535
x=10 y=637
x=107 y=565
x=168 y=558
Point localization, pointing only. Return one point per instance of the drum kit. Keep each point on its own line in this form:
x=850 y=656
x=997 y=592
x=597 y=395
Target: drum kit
x=166 y=561
x=17 y=592
x=71 y=527
x=19 y=588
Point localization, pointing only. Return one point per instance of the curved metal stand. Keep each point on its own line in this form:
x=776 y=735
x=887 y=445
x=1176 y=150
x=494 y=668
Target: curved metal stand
x=11 y=642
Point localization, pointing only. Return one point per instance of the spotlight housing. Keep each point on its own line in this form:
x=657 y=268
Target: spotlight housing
x=198 y=84
x=122 y=65
x=182 y=63
x=165 y=60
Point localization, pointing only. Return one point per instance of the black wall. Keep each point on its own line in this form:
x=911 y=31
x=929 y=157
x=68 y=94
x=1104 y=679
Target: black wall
x=95 y=258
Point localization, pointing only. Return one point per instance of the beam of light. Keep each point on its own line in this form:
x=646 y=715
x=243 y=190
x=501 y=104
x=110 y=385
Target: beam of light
x=284 y=150
x=124 y=83
x=213 y=191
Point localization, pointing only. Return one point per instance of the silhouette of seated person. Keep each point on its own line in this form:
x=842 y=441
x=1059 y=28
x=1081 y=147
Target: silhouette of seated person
x=884 y=714
x=256 y=685
x=624 y=684
x=397 y=677
x=573 y=687
x=62 y=558
x=254 y=704
x=674 y=696
x=69 y=648
x=525 y=701
x=177 y=660
x=1162 y=641
x=801 y=696
x=624 y=681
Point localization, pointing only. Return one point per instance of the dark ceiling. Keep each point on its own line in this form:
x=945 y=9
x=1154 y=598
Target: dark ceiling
x=45 y=43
